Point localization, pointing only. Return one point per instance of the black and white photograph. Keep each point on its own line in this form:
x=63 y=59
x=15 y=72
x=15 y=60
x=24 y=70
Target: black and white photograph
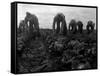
x=54 y=37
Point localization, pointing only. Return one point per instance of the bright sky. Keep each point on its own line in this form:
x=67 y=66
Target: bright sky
x=46 y=13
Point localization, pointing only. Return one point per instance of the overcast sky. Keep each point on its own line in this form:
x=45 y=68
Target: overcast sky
x=46 y=13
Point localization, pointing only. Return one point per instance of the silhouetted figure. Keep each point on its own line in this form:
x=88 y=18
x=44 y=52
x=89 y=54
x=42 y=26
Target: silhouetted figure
x=90 y=26
x=80 y=26
x=32 y=19
x=72 y=26
x=60 y=19
x=22 y=35
x=23 y=27
x=63 y=28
